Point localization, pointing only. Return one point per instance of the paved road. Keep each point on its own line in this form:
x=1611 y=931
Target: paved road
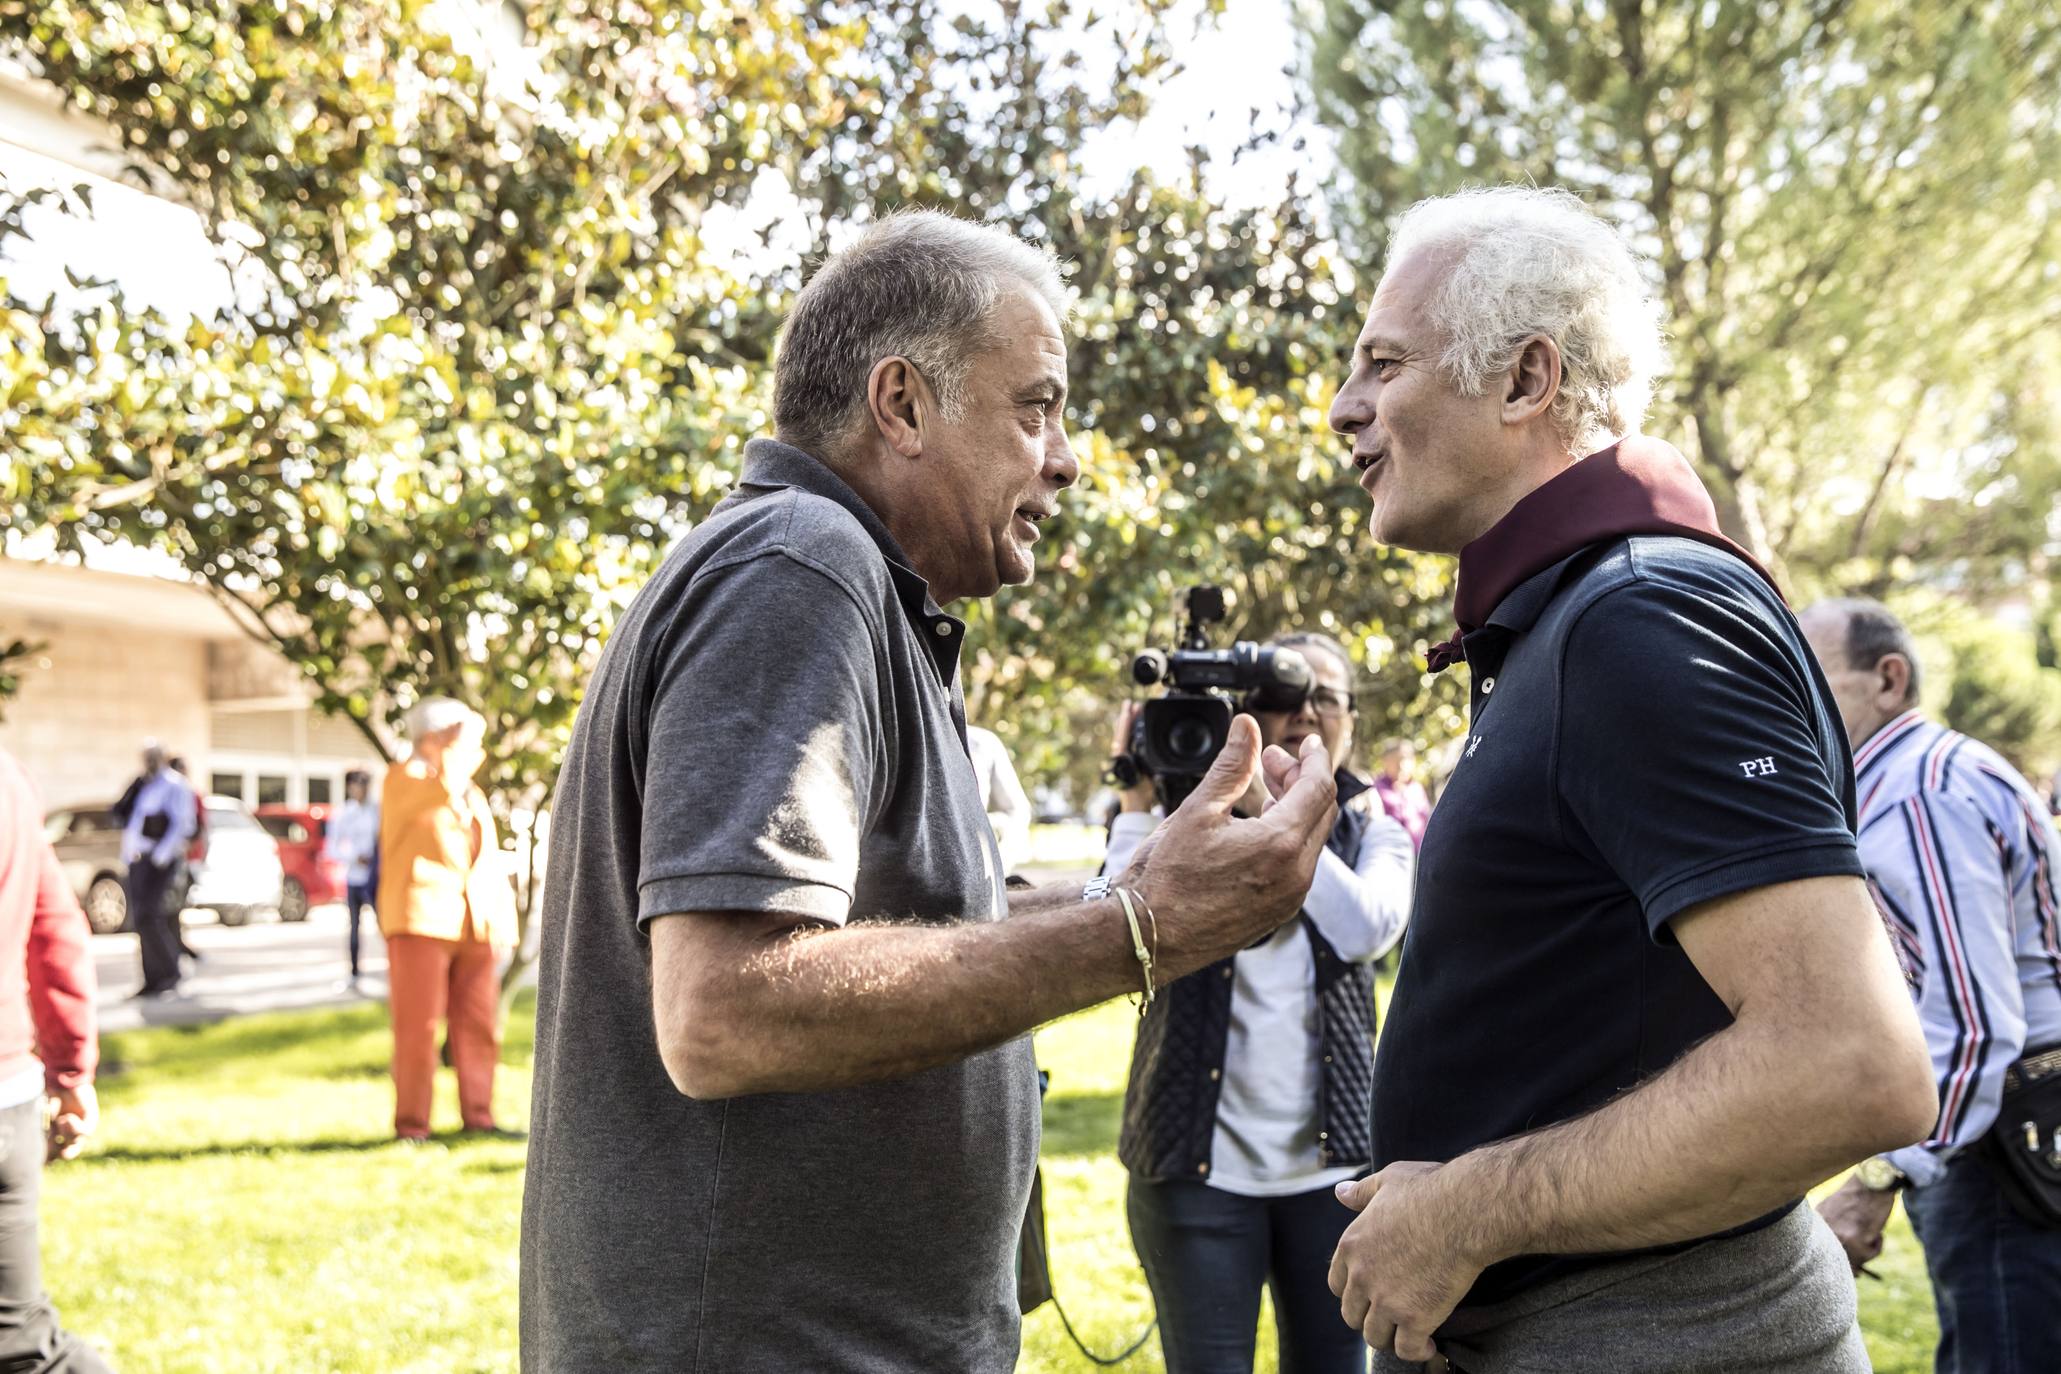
x=272 y=966
x=266 y=967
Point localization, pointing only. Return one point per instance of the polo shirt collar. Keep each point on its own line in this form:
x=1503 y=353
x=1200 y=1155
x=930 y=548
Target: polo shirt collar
x=1527 y=601
x=1515 y=614
x=771 y=463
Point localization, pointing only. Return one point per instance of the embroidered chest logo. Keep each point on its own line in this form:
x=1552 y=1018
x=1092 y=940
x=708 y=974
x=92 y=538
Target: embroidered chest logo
x=1472 y=745
x=1758 y=768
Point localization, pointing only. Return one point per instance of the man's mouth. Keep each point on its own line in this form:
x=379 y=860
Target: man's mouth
x=1030 y=517
x=1369 y=463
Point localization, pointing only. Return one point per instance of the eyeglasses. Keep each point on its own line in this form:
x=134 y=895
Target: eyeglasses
x=1327 y=702
x=1330 y=702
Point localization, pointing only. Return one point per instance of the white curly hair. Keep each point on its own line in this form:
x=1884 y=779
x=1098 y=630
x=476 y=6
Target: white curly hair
x=1526 y=261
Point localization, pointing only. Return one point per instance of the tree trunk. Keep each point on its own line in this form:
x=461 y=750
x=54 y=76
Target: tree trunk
x=1738 y=505
x=528 y=938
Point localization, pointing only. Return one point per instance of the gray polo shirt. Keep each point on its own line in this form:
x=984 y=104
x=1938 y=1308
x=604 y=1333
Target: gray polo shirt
x=775 y=726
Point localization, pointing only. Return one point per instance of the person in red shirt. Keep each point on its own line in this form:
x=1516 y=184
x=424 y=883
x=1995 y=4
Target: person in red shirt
x=47 y=985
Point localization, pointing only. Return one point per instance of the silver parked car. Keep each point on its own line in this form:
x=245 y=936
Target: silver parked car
x=233 y=870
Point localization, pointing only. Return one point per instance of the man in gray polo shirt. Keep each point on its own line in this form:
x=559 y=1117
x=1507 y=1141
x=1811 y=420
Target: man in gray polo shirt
x=785 y=1109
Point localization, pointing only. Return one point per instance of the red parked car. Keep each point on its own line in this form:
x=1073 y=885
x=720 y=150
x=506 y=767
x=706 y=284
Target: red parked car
x=312 y=877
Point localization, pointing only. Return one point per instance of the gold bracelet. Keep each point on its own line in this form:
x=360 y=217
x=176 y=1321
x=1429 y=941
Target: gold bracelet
x=1151 y=920
x=1123 y=896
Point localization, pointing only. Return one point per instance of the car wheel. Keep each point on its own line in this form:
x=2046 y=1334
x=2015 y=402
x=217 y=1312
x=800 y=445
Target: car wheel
x=293 y=902
x=107 y=905
x=233 y=915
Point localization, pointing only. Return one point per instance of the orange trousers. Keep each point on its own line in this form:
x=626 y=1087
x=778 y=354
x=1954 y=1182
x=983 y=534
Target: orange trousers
x=450 y=981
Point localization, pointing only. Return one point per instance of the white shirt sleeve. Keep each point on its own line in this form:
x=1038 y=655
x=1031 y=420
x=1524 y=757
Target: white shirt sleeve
x=1362 y=907
x=1126 y=833
x=1009 y=811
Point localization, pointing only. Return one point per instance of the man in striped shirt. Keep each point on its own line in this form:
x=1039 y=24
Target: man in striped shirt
x=1965 y=865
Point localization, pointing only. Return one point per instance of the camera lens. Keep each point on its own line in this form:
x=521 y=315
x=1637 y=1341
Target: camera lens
x=1191 y=741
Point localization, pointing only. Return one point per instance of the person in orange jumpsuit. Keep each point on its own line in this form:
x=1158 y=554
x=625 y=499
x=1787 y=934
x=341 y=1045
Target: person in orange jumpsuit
x=447 y=913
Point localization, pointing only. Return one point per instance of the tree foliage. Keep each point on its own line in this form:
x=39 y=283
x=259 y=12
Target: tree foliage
x=1852 y=208
x=481 y=366
x=1852 y=205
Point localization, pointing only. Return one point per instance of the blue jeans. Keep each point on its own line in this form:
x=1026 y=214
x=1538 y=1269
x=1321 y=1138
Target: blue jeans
x=1207 y=1253
x=1996 y=1276
x=357 y=898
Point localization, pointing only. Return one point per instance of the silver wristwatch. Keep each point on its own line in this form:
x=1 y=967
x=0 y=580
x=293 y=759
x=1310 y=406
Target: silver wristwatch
x=1878 y=1175
x=1097 y=888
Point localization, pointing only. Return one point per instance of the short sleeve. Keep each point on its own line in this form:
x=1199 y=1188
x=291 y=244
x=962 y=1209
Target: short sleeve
x=765 y=751
x=1692 y=752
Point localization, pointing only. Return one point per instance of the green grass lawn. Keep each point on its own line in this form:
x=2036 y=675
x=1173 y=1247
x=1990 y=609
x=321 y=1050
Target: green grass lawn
x=245 y=1212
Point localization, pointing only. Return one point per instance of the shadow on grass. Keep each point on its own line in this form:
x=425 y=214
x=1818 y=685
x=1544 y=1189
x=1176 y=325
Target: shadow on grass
x=457 y=1144
x=1082 y=1124
x=202 y=1046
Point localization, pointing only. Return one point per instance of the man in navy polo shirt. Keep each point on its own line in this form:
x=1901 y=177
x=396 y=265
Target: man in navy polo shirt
x=1645 y=1002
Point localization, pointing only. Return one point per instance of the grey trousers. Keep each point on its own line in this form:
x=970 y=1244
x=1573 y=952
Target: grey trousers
x=1777 y=1301
x=31 y=1341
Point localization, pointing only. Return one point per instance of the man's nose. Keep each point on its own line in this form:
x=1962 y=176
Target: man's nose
x=1060 y=461
x=1352 y=409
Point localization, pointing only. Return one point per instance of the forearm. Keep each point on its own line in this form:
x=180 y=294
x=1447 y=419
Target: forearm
x=816 y=1009
x=62 y=983
x=1740 y=1125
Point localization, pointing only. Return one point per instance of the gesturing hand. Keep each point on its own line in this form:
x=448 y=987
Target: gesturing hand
x=1217 y=882
x=1399 y=1270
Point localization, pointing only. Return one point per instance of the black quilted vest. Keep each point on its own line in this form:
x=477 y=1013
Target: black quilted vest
x=1177 y=1064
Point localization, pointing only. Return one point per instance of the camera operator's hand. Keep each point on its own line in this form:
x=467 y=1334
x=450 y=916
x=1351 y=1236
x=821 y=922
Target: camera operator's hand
x=1139 y=796
x=1216 y=882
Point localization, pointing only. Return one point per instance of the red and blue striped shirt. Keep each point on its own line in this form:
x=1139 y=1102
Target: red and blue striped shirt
x=1965 y=863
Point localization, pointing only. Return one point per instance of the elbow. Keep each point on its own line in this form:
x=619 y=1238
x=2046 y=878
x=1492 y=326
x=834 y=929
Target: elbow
x=699 y=1060
x=1891 y=1099
x=1907 y=1110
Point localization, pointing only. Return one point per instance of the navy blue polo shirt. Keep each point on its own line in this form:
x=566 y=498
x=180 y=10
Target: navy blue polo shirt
x=1648 y=731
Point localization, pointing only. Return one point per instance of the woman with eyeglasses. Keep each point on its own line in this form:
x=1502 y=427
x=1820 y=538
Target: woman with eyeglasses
x=1251 y=1084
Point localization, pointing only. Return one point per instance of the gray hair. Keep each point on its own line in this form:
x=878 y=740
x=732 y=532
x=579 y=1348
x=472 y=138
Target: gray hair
x=1527 y=261
x=1872 y=634
x=1300 y=640
x=918 y=285
x=434 y=715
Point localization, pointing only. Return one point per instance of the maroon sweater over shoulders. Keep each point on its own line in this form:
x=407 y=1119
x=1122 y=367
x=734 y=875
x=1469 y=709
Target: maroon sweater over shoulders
x=47 y=981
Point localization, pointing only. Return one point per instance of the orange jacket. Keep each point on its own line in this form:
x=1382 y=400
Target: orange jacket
x=439 y=861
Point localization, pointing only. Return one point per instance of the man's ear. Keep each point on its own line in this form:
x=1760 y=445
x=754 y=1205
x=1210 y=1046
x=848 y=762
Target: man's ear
x=899 y=401
x=1532 y=382
x=1893 y=676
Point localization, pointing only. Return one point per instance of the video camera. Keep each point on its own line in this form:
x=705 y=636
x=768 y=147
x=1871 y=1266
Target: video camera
x=1179 y=735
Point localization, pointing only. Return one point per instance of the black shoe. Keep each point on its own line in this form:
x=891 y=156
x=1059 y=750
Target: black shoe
x=155 y=994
